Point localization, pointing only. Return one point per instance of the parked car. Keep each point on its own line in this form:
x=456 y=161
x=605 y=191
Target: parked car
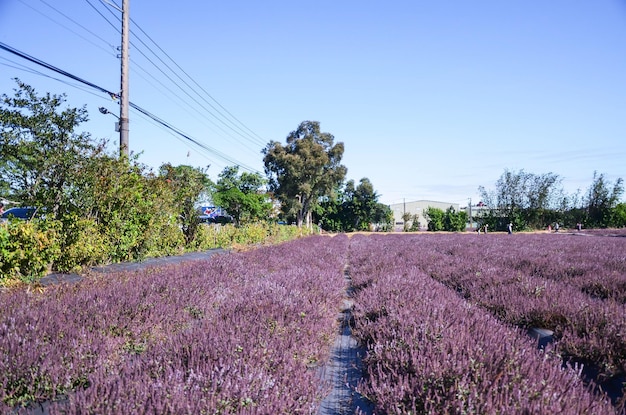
x=21 y=213
x=212 y=214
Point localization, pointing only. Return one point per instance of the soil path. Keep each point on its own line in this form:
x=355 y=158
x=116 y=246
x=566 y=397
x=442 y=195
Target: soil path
x=344 y=369
x=131 y=266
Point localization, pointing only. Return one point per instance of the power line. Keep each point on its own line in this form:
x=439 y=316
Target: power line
x=134 y=106
x=33 y=71
x=223 y=124
x=67 y=28
x=219 y=120
x=54 y=69
x=103 y=16
x=261 y=141
x=77 y=24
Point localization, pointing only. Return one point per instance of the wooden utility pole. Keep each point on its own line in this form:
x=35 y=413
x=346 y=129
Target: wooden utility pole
x=124 y=102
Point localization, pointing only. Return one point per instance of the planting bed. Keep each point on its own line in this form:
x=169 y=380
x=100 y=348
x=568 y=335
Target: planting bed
x=236 y=334
x=431 y=350
x=442 y=320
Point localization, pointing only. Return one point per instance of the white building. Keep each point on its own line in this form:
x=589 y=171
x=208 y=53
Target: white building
x=418 y=208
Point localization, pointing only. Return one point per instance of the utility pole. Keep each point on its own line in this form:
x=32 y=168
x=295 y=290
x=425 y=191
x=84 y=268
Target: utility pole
x=124 y=102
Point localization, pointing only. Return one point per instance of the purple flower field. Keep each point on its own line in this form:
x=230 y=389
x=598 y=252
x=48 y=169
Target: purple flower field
x=443 y=318
x=237 y=334
x=452 y=346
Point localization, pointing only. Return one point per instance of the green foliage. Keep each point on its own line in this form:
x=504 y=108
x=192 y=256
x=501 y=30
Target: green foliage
x=242 y=196
x=306 y=169
x=532 y=201
x=450 y=220
x=27 y=248
x=283 y=233
x=127 y=205
x=41 y=153
x=83 y=244
x=187 y=185
x=525 y=199
x=226 y=236
x=619 y=215
x=406 y=219
x=383 y=217
x=253 y=233
x=435 y=218
x=415 y=223
x=353 y=209
x=601 y=201
x=97 y=208
x=454 y=221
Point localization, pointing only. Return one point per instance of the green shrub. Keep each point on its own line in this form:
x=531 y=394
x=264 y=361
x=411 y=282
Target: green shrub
x=254 y=233
x=225 y=235
x=28 y=248
x=82 y=245
x=167 y=237
x=281 y=233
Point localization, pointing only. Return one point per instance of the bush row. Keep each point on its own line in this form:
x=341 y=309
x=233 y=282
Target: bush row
x=430 y=351
x=240 y=333
x=30 y=249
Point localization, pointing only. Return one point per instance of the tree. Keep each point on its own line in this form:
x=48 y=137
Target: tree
x=383 y=217
x=619 y=215
x=242 y=195
x=353 y=208
x=188 y=184
x=454 y=221
x=415 y=222
x=522 y=198
x=305 y=169
x=41 y=153
x=450 y=220
x=363 y=202
x=435 y=219
x=333 y=212
x=601 y=199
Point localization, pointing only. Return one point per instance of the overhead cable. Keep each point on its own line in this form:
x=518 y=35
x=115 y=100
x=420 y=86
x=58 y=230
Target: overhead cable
x=261 y=141
x=224 y=122
x=115 y=95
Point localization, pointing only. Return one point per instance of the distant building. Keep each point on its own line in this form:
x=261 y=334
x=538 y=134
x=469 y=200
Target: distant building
x=418 y=208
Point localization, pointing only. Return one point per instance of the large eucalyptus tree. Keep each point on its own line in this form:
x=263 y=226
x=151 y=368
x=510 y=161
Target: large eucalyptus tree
x=305 y=169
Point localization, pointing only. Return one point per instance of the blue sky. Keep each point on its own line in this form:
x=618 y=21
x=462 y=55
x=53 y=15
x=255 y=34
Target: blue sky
x=431 y=99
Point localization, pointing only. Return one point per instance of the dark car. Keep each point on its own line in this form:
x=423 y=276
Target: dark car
x=212 y=214
x=22 y=213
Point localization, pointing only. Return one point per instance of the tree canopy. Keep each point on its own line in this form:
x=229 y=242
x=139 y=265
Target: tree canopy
x=242 y=195
x=305 y=169
x=187 y=185
x=522 y=198
x=40 y=152
x=353 y=209
x=534 y=201
x=601 y=201
x=450 y=220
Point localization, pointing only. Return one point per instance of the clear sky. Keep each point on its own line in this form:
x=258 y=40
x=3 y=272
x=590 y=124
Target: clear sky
x=432 y=99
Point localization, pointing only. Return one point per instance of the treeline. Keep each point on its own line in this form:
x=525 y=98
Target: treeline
x=534 y=201
x=92 y=207
x=306 y=177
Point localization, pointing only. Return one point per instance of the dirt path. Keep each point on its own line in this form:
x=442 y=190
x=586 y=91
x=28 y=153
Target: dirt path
x=344 y=369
